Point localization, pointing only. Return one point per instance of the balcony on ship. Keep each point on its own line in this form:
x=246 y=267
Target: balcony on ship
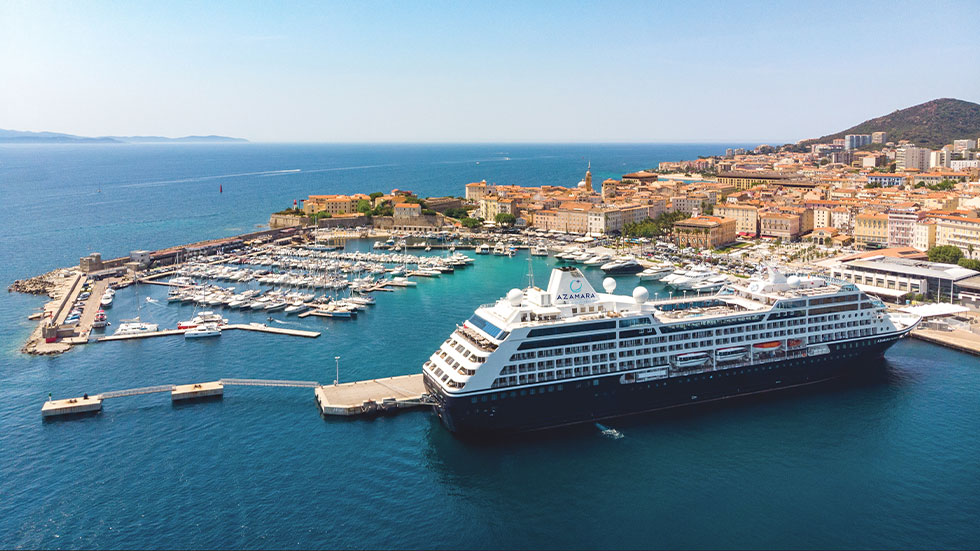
x=476 y=340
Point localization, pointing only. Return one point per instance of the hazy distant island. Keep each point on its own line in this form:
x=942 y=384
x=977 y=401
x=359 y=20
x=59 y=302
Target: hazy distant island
x=18 y=136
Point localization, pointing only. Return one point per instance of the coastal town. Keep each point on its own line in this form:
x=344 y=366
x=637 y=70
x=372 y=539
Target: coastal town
x=857 y=197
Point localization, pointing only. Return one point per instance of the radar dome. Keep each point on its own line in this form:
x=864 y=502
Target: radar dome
x=640 y=295
x=793 y=281
x=514 y=297
x=609 y=284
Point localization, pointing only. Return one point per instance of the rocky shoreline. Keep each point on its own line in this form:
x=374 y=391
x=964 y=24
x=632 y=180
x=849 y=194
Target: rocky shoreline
x=37 y=285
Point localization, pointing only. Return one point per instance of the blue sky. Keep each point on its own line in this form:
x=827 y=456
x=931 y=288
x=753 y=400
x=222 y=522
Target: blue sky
x=479 y=72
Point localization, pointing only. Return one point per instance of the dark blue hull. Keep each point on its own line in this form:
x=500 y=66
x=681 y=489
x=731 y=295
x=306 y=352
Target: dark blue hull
x=592 y=399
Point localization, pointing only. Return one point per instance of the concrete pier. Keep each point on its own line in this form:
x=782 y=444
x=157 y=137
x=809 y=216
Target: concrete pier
x=198 y=390
x=964 y=341
x=360 y=397
x=371 y=396
x=261 y=328
x=71 y=406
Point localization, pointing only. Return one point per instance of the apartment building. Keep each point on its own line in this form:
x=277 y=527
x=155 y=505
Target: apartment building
x=779 y=225
x=901 y=224
x=704 y=232
x=871 y=229
x=746 y=217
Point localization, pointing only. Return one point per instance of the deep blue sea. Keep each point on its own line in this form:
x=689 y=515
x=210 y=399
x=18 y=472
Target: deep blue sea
x=889 y=462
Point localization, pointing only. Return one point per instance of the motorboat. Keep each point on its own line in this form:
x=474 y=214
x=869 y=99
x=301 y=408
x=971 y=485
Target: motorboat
x=201 y=331
x=622 y=266
x=539 y=250
x=598 y=260
x=692 y=277
x=483 y=249
x=203 y=318
x=499 y=249
x=100 y=320
x=136 y=327
x=656 y=272
x=296 y=308
x=710 y=284
x=669 y=278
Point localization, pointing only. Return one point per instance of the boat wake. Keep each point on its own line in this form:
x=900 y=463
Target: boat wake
x=609 y=432
x=216 y=177
x=284 y=322
x=152 y=300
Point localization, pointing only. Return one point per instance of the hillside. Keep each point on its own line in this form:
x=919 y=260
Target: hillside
x=933 y=123
x=17 y=136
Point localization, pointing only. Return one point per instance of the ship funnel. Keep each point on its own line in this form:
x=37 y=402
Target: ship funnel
x=569 y=286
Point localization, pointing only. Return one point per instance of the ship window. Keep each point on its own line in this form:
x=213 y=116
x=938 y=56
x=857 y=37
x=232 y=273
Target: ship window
x=557 y=330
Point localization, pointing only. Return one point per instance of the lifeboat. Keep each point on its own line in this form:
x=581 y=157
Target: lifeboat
x=793 y=343
x=691 y=360
x=771 y=345
x=730 y=354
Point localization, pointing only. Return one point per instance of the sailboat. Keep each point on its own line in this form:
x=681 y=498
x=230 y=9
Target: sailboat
x=136 y=326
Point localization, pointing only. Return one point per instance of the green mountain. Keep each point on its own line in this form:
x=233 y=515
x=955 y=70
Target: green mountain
x=933 y=123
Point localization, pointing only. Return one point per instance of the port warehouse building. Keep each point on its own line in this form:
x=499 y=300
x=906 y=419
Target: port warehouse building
x=893 y=278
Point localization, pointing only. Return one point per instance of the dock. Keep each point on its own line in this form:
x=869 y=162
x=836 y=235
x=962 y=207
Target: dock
x=370 y=396
x=964 y=341
x=258 y=327
x=348 y=399
x=197 y=391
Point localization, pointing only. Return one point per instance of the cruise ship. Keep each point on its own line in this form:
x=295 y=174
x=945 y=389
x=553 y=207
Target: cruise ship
x=542 y=358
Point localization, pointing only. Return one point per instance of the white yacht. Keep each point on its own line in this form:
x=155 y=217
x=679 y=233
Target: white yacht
x=598 y=260
x=656 y=272
x=205 y=330
x=136 y=327
x=539 y=250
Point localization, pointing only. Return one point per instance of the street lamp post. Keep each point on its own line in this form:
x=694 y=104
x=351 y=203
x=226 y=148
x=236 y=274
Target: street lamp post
x=337 y=380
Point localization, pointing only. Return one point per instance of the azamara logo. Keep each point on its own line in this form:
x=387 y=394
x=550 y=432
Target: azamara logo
x=575 y=296
x=575 y=285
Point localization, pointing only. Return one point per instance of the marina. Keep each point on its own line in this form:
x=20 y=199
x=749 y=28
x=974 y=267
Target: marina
x=270 y=455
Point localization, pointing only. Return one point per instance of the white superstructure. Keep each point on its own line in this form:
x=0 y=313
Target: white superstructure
x=569 y=331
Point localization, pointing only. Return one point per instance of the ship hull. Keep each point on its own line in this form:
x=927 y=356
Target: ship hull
x=570 y=402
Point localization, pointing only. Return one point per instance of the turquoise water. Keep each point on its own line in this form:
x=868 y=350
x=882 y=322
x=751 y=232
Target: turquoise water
x=887 y=462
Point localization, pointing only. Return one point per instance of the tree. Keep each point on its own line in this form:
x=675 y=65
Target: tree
x=428 y=212
x=970 y=264
x=505 y=219
x=318 y=215
x=364 y=206
x=470 y=222
x=945 y=254
x=376 y=194
x=457 y=213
